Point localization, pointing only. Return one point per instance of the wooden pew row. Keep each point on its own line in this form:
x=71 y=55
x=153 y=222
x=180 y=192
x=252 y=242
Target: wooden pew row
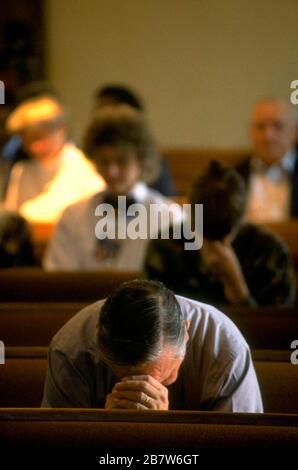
x=288 y=231
x=265 y=327
x=279 y=385
x=100 y=429
x=41 y=234
x=187 y=163
x=34 y=324
x=23 y=374
x=22 y=377
x=35 y=285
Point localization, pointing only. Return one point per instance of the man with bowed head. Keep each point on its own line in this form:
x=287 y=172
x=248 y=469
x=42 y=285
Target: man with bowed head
x=145 y=348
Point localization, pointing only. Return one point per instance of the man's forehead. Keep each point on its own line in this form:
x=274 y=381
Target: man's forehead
x=276 y=109
x=160 y=368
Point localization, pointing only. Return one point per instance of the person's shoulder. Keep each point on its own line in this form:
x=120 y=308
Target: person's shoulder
x=192 y=308
x=81 y=208
x=211 y=327
x=247 y=230
x=164 y=202
x=73 y=157
x=79 y=333
x=72 y=153
x=261 y=237
x=170 y=238
x=154 y=196
x=245 y=167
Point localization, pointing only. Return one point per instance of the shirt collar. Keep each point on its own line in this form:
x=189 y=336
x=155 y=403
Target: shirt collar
x=274 y=172
x=139 y=193
x=288 y=161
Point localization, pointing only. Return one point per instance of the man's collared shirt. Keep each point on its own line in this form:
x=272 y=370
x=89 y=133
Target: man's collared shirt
x=217 y=372
x=270 y=190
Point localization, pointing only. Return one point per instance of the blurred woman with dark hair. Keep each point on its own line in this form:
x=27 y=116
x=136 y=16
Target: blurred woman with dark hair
x=121 y=147
x=238 y=263
x=115 y=94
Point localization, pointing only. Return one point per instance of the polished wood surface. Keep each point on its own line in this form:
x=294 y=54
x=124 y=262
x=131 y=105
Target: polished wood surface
x=187 y=163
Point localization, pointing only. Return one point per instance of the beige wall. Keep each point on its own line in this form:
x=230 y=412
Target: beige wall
x=198 y=63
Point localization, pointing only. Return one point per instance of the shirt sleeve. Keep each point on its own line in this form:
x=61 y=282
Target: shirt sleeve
x=64 y=386
x=238 y=387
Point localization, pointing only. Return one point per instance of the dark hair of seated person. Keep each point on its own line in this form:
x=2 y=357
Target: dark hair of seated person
x=137 y=320
x=222 y=192
x=16 y=247
x=123 y=126
x=118 y=94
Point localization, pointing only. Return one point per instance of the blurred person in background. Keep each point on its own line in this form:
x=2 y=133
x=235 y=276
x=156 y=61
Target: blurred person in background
x=241 y=264
x=119 y=143
x=115 y=94
x=271 y=172
x=12 y=150
x=16 y=246
x=53 y=173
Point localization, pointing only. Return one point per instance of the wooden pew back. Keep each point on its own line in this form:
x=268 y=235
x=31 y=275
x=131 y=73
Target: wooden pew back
x=187 y=163
x=34 y=324
x=22 y=379
x=279 y=385
x=35 y=285
x=102 y=429
x=265 y=327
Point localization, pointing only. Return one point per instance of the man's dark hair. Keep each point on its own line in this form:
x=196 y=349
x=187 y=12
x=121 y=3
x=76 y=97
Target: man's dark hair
x=137 y=320
x=119 y=94
x=222 y=192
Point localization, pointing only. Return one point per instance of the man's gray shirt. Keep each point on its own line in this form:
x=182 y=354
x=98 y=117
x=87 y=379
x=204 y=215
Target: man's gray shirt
x=217 y=372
